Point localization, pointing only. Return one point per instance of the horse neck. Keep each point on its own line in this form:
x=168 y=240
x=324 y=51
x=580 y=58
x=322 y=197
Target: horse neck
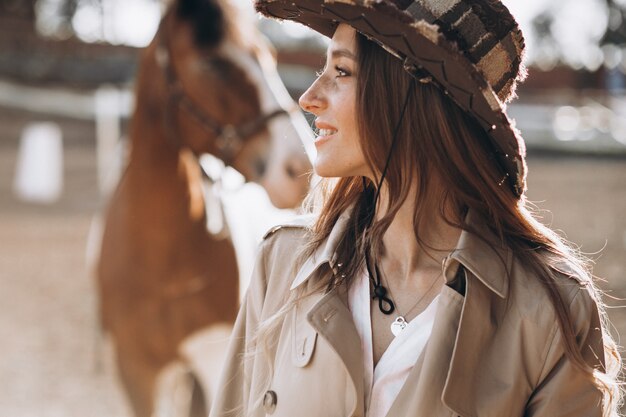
x=148 y=136
x=150 y=147
x=163 y=175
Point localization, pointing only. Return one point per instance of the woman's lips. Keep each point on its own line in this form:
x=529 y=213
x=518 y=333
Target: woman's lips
x=322 y=139
x=324 y=134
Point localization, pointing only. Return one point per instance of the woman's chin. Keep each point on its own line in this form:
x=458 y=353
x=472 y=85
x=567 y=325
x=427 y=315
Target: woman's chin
x=339 y=162
x=326 y=170
x=324 y=173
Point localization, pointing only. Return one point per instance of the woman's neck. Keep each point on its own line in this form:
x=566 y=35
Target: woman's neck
x=402 y=253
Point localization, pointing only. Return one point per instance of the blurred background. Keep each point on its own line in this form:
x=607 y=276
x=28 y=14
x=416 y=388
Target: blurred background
x=66 y=75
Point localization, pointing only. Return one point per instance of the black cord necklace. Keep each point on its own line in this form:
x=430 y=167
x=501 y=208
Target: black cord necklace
x=385 y=304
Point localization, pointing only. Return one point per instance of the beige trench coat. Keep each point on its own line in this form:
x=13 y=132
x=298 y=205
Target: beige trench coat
x=494 y=351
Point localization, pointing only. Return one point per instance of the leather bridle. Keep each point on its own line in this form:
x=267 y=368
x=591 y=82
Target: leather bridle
x=229 y=138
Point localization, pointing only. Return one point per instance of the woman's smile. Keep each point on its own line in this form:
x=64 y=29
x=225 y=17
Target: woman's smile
x=324 y=133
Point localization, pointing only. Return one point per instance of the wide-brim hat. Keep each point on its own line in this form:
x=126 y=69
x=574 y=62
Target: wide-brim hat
x=472 y=49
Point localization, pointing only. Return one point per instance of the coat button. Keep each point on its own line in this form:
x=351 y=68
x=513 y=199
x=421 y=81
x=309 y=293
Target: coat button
x=269 y=402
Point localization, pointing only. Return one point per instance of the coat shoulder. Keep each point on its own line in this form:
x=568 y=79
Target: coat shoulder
x=532 y=299
x=281 y=252
x=568 y=279
x=300 y=223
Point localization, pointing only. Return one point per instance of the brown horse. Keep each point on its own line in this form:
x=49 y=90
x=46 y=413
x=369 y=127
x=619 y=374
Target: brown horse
x=206 y=84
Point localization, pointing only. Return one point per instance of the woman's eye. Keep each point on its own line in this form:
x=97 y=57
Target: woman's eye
x=341 y=72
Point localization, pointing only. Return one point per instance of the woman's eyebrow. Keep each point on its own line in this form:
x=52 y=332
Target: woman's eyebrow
x=336 y=53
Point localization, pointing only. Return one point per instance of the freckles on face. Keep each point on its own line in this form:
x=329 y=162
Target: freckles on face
x=332 y=99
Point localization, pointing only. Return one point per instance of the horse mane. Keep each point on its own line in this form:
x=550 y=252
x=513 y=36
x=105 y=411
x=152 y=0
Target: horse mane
x=212 y=21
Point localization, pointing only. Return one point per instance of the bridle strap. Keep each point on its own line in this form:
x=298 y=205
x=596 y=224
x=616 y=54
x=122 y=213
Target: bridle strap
x=229 y=138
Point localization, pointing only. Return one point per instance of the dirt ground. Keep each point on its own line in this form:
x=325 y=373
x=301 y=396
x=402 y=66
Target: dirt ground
x=53 y=361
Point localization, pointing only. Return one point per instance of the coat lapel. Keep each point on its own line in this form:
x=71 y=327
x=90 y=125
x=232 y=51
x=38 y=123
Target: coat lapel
x=438 y=382
x=476 y=329
x=488 y=266
x=452 y=357
x=330 y=317
x=423 y=387
x=332 y=320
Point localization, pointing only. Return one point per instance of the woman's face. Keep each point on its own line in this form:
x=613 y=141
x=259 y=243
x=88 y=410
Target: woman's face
x=332 y=99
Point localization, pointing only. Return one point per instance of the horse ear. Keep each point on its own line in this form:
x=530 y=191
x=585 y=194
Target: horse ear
x=207 y=19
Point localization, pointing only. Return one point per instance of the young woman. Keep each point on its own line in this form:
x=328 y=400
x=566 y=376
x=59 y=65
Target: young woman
x=421 y=285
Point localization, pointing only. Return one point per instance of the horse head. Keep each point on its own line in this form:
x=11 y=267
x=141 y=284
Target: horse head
x=223 y=96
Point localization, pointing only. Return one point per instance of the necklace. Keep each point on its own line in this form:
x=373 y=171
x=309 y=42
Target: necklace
x=400 y=323
x=385 y=305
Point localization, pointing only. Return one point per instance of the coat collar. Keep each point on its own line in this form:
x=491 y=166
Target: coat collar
x=483 y=254
x=326 y=253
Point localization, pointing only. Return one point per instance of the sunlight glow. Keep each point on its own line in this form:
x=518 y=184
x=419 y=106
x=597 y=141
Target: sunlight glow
x=576 y=24
x=128 y=22
x=87 y=23
x=49 y=22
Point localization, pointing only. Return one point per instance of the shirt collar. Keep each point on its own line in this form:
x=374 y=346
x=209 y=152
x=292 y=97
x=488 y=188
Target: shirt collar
x=482 y=254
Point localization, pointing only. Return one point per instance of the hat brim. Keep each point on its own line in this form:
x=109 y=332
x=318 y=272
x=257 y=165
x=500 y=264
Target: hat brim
x=421 y=47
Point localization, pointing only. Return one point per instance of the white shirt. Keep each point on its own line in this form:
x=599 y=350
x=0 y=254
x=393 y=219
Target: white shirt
x=383 y=383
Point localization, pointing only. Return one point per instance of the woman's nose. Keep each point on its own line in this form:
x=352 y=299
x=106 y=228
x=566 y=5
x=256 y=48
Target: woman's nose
x=312 y=101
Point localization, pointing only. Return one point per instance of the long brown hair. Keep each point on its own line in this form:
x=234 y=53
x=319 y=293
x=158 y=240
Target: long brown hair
x=444 y=150
x=440 y=150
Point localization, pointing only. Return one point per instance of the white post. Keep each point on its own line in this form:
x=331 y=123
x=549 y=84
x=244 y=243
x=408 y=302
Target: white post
x=39 y=170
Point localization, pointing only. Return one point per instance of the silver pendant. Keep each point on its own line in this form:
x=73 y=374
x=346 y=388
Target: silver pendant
x=398 y=325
